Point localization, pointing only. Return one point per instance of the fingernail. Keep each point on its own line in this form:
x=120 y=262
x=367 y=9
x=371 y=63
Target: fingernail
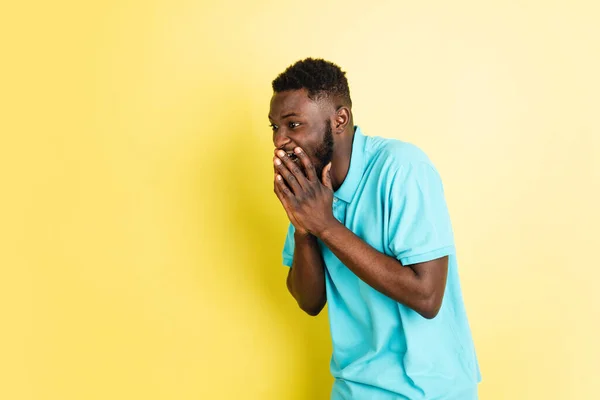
x=281 y=153
x=297 y=150
x=277 y=161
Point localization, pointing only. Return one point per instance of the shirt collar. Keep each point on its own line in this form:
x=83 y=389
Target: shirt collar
x=355 y=172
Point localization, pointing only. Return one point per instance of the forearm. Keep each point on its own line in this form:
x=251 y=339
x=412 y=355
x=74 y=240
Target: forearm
x=306 y=279
x=382 y=272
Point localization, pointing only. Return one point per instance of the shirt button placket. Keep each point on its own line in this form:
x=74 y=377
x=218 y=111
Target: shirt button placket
x=338 y=210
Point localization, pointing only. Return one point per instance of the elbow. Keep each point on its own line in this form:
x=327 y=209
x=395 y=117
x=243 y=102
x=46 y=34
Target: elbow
x=427 y=305
x=430 y=307
x=312 y=309
x=429 y=313
x=311 y=304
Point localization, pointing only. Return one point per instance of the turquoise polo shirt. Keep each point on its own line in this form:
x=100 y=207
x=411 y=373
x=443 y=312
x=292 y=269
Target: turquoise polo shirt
x=393 y=199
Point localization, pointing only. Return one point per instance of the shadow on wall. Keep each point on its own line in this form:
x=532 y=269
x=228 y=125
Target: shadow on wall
x=257 y=222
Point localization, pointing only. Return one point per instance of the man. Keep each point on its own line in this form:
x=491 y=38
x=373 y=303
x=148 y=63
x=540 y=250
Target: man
x=370 y=235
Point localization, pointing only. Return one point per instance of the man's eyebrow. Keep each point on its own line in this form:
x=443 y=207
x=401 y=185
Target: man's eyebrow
x=287 y=115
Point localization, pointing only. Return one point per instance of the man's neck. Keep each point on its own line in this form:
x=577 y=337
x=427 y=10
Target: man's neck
x=340 y=163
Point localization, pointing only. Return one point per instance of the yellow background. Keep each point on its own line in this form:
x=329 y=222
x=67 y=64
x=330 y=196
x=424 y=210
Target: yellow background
x=140 y=239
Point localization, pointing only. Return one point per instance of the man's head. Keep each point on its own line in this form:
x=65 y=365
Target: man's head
x=311 y=108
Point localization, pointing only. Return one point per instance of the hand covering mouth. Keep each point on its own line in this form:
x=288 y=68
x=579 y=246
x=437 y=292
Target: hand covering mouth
x=293 y=156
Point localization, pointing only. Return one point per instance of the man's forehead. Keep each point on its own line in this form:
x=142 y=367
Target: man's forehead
x=291 y=101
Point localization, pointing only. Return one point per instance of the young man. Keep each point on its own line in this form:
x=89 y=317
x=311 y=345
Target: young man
x=370 y=235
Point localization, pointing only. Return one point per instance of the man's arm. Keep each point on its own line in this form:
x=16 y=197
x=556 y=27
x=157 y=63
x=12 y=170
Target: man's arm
x=308 y=204
x=419 y=286
x=306 y=278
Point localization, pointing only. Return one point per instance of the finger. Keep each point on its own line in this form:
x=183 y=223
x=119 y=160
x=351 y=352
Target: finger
x=293 y=168
x=327 y=176
x=308 y=165
x=285 y=193
x=286 y=208
x=288 y=176
x=278 y=191
x=285 y=197
x=280 y=194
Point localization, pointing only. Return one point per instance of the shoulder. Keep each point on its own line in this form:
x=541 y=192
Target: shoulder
x=396 y=158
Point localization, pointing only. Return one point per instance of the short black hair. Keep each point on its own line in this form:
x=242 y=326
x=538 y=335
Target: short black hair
x=319 y=77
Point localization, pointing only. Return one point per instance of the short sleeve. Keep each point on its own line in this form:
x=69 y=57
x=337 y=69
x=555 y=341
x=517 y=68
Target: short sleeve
x=289 y=246
x=419 y=223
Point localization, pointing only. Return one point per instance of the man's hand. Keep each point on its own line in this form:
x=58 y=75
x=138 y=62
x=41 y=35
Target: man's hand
x=306 y=199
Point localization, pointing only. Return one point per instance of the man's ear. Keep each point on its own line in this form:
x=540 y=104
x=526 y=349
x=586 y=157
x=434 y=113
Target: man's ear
x=342 y=119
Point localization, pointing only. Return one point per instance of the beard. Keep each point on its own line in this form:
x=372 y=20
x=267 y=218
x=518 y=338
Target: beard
x=324 y=151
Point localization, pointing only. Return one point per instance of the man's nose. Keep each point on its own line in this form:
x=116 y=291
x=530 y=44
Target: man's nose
x=280 y=139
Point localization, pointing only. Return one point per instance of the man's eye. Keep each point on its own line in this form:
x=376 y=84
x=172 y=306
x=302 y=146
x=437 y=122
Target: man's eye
x=273 y=127
x=293 y=125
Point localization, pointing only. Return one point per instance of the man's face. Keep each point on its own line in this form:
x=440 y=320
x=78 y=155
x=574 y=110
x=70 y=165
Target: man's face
x=299 y=121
